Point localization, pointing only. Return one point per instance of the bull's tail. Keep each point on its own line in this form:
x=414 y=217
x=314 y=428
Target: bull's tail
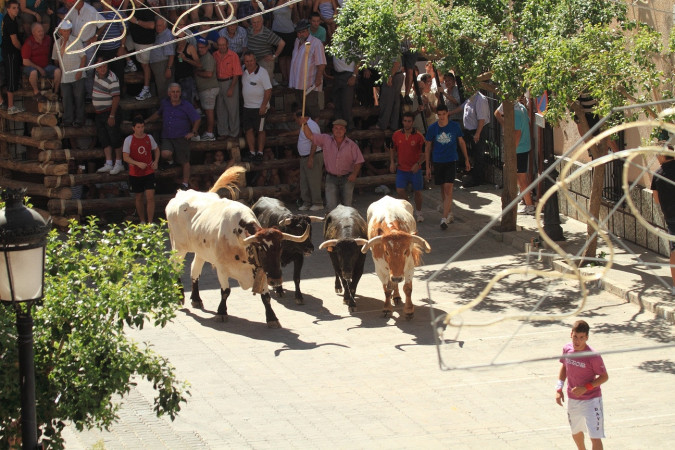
x=230 y=182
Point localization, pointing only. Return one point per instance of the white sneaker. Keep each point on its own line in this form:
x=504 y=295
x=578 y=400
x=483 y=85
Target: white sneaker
x=15 y=110
x=196 y=138
x=144 y=95
x=208 y=137
x=419 y=216
x=130 y=67
x=527 y=210
x=444 y=224
x=105 y=169
x=450 y=218
x=316 y=208
x=118 y=168
x=303 y=208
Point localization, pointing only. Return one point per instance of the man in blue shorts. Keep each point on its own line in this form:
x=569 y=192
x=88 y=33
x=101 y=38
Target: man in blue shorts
x=407 y=145
x=443 y=137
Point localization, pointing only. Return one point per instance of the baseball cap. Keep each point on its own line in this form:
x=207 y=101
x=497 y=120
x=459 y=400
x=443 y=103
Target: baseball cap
x=201 y=40
x=66 y=25
x=340 y=122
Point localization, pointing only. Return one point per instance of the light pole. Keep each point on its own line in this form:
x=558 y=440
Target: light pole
x=22 y=267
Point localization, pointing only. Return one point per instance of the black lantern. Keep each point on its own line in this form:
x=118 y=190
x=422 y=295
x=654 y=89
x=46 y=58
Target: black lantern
x=22 y=265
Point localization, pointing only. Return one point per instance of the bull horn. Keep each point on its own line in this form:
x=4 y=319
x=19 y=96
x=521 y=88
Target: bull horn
x=316 y=219
x=249 y=239
x=360 y=241
x=293 y=238
x=424 y=244
x=370 y=243
x=285 y=222
x=327 y=243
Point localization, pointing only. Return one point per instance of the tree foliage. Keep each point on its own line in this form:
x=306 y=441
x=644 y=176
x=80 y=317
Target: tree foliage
x=97 y=282
x=567 y=47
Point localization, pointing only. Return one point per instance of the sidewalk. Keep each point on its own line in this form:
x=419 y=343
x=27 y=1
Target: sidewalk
x=631 y=277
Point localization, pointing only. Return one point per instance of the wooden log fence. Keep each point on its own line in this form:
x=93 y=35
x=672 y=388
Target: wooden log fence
x=46 y=120
x=45 y=144
x=36 y=189
x=34 y=167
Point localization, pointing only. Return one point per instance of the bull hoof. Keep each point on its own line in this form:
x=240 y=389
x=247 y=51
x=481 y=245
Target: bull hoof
x=299 y=301
x=274 y=324
x=409 y=316
x=338 y=290
x=352 y=309
x=386 y=314
x=220 y=317
x=197 y=304
x=397 y=301
x=279 y=291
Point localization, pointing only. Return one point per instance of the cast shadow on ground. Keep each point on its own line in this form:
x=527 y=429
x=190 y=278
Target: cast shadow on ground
x=655 y=329
x=369 y=312
x=514 y=294
x=258 y=331
x=658 y=366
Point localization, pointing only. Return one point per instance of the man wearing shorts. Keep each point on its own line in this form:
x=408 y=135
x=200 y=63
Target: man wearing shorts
x=142 y=154
x=106 y=100
x=584 y=376
x=664 y=195
x=180 y=123
x=141 y=37
x=521 y=138
x=407 y=145
x=256 y=90
x=443 y=137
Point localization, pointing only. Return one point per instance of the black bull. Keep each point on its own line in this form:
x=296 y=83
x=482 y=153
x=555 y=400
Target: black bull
x=274 y=214
x=344 y=233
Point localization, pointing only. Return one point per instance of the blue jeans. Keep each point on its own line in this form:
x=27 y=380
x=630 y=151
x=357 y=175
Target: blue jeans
x=336 y=188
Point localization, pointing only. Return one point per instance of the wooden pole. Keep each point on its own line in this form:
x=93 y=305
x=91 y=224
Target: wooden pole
x=34 y=167
x=36 y=190
x=30 y=142
x=304 y=81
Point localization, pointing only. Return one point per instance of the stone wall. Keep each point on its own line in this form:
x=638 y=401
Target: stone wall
x=622 y=222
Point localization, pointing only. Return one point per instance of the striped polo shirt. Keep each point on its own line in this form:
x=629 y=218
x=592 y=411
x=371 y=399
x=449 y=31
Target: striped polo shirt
x=104 y=90
x=263 y=43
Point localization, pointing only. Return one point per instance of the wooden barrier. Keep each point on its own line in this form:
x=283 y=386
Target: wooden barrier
x=34 y=167
x=36 y=189
x=30 y=142
x=46 y=120
x=65 y=155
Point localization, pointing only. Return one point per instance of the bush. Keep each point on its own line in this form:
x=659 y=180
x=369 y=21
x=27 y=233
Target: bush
x=97 y=282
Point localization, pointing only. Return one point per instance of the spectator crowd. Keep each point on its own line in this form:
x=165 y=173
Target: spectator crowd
x=214 y=82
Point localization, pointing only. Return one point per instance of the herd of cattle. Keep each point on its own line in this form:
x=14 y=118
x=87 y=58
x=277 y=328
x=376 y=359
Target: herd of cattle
x=251 y=245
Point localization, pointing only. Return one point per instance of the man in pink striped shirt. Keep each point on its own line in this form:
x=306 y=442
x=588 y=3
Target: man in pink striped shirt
x=316 y=63
x=342 y=159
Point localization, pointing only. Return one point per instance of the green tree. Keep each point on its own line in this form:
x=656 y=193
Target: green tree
x=97 y=282
x=499 y=45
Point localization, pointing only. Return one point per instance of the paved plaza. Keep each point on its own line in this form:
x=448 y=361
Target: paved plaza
x=334 y=379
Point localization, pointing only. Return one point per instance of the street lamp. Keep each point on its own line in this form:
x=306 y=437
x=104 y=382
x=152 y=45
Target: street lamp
x=22 y=266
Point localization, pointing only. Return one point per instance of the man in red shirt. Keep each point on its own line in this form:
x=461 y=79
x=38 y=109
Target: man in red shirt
x=36 y=53
x=408 y=144
x=228 y=71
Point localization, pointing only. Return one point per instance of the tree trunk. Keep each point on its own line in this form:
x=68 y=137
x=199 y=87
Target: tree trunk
x=597 y=183
x=30 y=142
x=510 y=190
